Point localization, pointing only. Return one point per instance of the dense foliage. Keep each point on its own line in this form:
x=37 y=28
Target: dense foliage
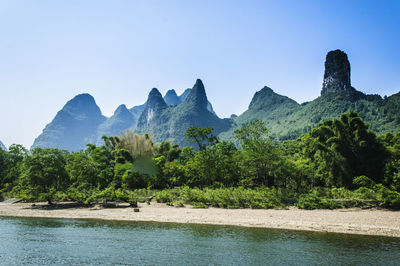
x=339 y=163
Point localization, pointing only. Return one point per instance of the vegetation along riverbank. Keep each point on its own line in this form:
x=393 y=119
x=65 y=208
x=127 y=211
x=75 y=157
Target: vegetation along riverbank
x=338 y=164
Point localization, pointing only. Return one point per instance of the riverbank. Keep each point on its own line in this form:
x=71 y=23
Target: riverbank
x=350 y=221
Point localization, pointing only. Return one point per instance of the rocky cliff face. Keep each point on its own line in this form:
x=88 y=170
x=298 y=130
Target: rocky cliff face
x=155 y=104
x=337 y=72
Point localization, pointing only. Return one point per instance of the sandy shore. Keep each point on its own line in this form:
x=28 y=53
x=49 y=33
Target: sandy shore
x=352 y=221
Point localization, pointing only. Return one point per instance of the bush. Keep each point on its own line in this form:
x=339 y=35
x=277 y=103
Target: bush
x=363 y=181
x=199 y=205
x=312 y=201
x=262 y=198
x=388 y=198
x=167 y=195
x=396 y=182
x=178 y=203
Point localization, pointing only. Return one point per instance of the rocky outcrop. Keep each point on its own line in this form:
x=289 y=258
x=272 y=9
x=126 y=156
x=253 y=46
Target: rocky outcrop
x=337 y=72
x=154 y=105
x=197 y=97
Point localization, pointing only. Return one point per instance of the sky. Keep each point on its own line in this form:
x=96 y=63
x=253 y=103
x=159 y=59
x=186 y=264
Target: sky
x=118 y=50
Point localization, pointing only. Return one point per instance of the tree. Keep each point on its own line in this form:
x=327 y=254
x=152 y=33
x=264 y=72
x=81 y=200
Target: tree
x=203 y=137
x=347 y=149
x=44 y=172
x=83 y=172
x=260 y=154
x=10 y=165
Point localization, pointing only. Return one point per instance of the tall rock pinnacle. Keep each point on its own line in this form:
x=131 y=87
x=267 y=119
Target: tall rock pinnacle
x=155 y=103
x=337 y=72
x=197 y=97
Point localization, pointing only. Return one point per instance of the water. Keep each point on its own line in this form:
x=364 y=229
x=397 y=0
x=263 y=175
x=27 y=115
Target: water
x=77 y=242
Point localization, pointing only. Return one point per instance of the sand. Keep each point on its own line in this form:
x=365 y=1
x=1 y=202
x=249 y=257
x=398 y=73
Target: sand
x=350 y=221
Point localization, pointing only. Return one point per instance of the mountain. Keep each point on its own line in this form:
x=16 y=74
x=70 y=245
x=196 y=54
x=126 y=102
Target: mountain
x=171 y=122
x=2 y=146
x=121 y=120
x=267 y=106
x=287 y=120
x=136 y=111
x=171 y=98
x=74 y=126
x=185 y=94
x=167 y=118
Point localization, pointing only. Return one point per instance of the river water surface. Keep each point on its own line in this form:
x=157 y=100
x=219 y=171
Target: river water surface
x=76 y=242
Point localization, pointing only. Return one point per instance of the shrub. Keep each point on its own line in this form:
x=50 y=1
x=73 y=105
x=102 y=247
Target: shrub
x=312 y=201
x=198 y=205
x=388 y=198
x=168 y=195
x=178 y=203
x=363 y=181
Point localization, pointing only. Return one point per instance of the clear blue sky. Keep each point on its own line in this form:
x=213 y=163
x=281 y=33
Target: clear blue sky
x=118 y=50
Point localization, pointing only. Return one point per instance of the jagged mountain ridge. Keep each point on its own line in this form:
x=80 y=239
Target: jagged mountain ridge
x=171 y=98
x=168 y=117
x=167 y=122
x=80 y=122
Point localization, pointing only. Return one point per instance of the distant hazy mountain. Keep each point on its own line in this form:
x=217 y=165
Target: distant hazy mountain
x=171 y=98
x=121 y=120
x=2 y=146
x=167 y=118
x=74 y=126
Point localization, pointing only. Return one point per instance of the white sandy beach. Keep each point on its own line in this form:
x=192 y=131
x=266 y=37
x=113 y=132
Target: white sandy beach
x=352 y=221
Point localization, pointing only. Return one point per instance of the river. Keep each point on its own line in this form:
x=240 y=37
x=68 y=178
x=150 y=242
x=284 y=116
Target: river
x=79 y=242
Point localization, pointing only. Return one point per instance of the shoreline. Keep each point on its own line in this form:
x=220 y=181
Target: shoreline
x=374 y=222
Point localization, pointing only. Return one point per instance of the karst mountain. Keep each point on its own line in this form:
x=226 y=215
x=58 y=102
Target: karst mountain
x=168 y=117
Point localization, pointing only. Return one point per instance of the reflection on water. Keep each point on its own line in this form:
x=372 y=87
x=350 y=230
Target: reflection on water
x=64 y=241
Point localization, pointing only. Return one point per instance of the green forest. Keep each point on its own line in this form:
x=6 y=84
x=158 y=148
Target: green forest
x=339 y=163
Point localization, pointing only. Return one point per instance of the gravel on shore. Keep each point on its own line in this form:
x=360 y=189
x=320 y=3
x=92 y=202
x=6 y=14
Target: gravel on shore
x=351 y=221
